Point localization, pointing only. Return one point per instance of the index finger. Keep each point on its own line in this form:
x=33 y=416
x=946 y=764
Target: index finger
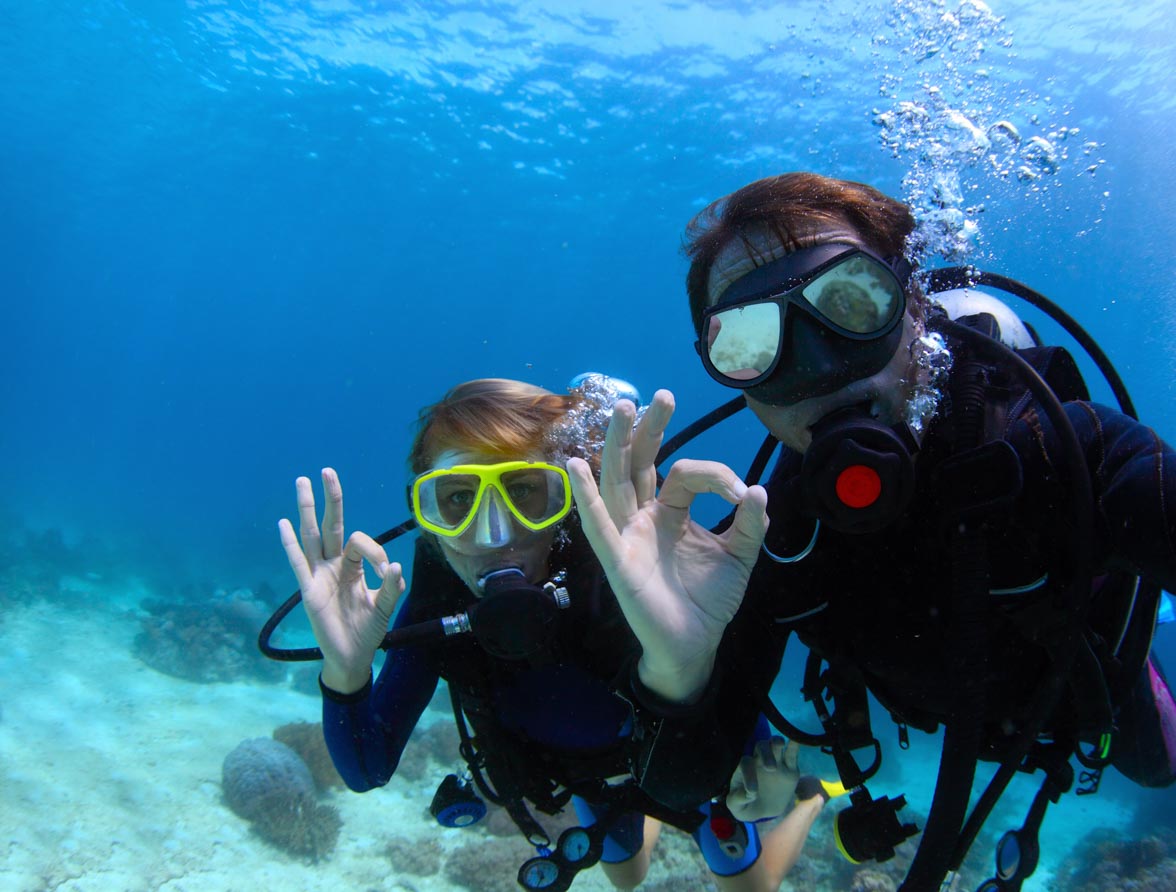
x=598 y=526
x=689 y=478
x=294 y=554
x=360 y=547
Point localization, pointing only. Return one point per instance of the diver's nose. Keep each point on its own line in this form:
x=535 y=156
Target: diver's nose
x=492 y=526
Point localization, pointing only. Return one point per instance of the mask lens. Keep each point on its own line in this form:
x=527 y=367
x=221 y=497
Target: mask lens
x=742 y=342
x=537 y=494
x=859 y=295
x=447 y=500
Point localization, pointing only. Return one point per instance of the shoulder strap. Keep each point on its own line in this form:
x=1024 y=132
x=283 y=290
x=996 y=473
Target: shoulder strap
x=1060 y=371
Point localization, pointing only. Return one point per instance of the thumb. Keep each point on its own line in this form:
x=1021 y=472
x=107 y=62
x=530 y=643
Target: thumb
x=739 y=794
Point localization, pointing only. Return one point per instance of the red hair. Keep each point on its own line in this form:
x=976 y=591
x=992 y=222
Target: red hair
x=495 y=417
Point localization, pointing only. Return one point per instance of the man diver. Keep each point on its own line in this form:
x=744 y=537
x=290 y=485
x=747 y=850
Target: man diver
x=953 y=526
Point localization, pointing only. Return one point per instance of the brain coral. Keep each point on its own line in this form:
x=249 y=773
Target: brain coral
x=266 y=782
x=259 y=768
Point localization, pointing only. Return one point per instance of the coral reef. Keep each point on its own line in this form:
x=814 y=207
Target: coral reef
x=306 y=739
x=265 y=782
x=304 y=678
x=431 y=748
x=494 y=850
x=34 y=564
x=678 y=856
x=870 y=880
x=213 y=640
x=487 y=864
x=69 y=565
x=297 y=824
x=498 y=822
x=258 y=767
x=704 y=883
x=418 y=859
x=1104 y=860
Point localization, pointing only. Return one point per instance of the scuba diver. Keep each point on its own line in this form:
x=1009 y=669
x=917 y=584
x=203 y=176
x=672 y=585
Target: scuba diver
x=954 y=527
x=510 y=607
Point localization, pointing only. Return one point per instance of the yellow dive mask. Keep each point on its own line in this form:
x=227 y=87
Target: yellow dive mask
x=446 y=501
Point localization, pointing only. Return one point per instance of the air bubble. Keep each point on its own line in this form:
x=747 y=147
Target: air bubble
x=1040 y=154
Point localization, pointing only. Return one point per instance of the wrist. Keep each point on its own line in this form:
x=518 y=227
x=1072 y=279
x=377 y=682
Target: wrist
x=345 y=680
x=680 y=709
x=682 y=683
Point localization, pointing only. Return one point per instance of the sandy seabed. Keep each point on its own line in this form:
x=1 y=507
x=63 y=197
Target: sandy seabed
x=110 y=781
x=110 y=774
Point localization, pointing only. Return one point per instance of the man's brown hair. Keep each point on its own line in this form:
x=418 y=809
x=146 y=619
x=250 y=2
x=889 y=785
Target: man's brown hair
x=784 y=205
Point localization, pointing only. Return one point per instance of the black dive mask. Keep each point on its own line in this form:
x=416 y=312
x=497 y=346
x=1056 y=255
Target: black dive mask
x=515 y=619
x=858 y=474
x=806 y=324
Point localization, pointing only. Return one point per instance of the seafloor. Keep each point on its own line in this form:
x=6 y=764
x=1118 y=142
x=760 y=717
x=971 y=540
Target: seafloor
x=122 y=699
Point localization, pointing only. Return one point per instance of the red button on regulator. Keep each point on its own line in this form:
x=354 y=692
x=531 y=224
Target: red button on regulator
x=722 y=826
x=859 y=486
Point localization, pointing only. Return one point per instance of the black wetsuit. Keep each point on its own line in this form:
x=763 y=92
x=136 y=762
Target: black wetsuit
x=565 y=719
x=880 y=603
x=527 y=699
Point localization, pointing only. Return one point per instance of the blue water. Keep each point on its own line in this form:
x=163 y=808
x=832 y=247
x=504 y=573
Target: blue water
x=243 y=240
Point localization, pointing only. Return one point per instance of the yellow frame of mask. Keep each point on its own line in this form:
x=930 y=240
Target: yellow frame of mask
x=490 y=476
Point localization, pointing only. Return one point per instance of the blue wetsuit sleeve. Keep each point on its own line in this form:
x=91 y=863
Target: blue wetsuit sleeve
x=1133 y=473
x=366 y=731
